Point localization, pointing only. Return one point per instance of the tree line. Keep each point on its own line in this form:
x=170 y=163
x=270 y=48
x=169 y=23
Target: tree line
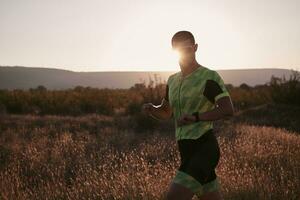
x=83 y=100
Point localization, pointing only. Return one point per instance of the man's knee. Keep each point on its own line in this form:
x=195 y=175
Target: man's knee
x=174 y=195
x=215 y=195
x=171 y=195
x=178 y=192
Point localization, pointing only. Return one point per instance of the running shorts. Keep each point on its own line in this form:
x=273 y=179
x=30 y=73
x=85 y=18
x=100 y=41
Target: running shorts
x=199 y=158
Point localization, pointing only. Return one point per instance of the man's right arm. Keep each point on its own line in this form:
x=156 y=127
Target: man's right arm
x=164 y=110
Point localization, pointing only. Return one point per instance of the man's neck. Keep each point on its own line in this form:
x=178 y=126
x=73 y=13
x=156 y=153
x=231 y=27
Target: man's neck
x=189 y=67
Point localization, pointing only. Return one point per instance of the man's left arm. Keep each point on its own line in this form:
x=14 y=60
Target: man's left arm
x=215 y=92
x=223 y=109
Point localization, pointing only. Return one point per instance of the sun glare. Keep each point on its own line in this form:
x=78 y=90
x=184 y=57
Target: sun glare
x=176 y=53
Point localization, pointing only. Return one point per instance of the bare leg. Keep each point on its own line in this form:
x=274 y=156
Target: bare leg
x=215 y=195
x=179 y=192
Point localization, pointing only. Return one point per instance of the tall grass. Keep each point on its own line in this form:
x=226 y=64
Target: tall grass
x=94 y=157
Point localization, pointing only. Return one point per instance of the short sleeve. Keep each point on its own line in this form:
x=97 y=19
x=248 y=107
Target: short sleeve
x=215 y=88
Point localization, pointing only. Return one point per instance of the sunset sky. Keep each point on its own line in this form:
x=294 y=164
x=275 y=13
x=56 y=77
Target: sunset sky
x=135 y=35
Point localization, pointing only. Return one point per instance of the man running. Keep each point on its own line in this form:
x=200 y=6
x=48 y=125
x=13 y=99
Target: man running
x=195 y=97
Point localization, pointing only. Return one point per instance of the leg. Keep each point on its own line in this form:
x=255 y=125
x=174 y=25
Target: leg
x=211 y=191
x=179 y=192
x=215 y=195
x=184 y=187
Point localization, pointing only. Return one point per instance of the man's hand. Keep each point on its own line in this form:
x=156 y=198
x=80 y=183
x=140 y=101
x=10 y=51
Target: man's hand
x=186 y=119
x=160 y=112
x=147 y=108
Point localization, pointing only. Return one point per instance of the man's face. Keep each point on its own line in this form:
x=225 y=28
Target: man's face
x=185 y=49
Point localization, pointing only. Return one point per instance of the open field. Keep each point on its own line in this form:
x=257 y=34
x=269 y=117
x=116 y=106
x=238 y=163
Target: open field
x=100 y=157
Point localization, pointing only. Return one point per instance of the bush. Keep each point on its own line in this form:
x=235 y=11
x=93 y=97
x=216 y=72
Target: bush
x=286 y=91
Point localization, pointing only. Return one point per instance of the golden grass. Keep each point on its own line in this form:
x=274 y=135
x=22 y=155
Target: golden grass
x=55 y=157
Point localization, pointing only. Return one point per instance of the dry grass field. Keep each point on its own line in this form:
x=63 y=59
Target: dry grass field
x=100 y=157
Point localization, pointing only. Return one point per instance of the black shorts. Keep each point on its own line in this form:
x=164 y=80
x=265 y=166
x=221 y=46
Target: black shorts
x=199 y=157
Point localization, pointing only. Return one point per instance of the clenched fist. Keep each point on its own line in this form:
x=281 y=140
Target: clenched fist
x=147 y=108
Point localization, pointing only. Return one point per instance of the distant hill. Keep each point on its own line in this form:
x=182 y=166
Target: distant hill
x=17 y=77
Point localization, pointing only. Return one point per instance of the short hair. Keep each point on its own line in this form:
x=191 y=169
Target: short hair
x=183 y=35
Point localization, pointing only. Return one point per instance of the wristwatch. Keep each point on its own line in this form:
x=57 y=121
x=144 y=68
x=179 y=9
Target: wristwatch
x=196 y=114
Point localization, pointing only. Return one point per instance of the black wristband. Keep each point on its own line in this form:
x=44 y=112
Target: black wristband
x=196 y=114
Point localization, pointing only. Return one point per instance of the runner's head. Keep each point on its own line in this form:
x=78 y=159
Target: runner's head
x=184 y=43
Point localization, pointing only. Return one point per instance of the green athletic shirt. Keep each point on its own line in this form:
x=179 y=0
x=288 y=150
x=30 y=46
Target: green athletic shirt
x=196 y=92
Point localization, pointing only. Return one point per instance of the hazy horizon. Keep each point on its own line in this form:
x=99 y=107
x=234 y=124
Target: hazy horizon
x=134 y=70
x=136 y=35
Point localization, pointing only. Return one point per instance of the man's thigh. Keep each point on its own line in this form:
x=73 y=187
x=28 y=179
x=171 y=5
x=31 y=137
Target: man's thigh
x=179 y=192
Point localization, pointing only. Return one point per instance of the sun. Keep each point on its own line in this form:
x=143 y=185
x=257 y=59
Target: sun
x=177 y=53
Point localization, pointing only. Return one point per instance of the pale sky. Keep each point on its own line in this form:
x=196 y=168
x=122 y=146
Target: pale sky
x=135 y=35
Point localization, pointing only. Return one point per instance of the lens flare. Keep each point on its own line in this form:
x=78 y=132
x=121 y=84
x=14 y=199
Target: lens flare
x=177 y=53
